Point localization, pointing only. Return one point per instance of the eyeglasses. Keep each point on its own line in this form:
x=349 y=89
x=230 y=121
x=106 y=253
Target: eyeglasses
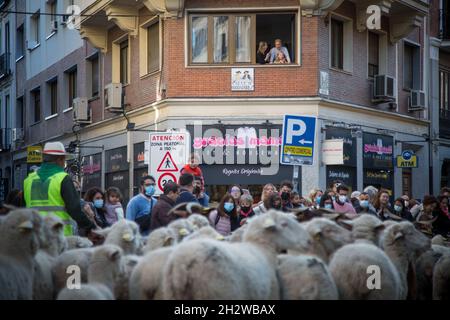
x=150 y=184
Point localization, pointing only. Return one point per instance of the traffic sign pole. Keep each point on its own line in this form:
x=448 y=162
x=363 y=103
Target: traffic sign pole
x=295 y=178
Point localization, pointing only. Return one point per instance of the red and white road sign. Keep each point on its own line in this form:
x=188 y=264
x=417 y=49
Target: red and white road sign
x=168 y=153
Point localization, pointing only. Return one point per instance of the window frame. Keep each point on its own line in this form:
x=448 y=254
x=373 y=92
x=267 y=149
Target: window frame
x=37 y=116
x=90 y=61
x=416 y=82
x=53 y=96
x=68 y=90
x=116 y=63
x=444 y=93
x=20 y=44
x=347 y=43
x=35 y=30
x=234 y=12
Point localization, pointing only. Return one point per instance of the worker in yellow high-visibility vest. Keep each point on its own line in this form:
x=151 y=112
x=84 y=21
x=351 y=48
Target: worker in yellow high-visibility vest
x=51 y=190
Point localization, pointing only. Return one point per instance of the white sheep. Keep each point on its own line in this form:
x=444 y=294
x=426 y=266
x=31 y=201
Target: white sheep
x=74 y=242
x=181 y=228
x=328 y=236
x=20 y=234
x=103 y=272
x=424 y=273
x=366 y=227
x=237 y=235
x=61 y=268
x=305 y=278
x=441 y=278
x=125 y=234
x=53 y=244
x=353 y=264
x=205 y=233
x=146 y=280
x=159 y=238
x=198 y=221
x=404 y=244
x=129 y=262
x=211 y=269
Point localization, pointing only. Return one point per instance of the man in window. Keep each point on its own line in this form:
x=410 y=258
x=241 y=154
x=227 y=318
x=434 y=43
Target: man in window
x=279 y=48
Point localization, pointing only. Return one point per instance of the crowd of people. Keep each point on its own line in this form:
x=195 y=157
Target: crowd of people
x=101 y=209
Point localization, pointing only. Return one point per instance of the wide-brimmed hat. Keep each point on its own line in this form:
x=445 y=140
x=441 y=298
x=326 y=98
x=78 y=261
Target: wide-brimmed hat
x=56 y=149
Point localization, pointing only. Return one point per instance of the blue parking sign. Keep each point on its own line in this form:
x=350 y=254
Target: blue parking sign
x=299 y=134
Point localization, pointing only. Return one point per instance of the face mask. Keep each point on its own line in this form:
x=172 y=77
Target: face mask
x=285 y=196
x=328 y=206
x=342 y=199
x=98 y=203
x=246 y=209
x=149 y=191
x=397 y=208
x=228 y=206
x=197 y=190
x=364 y=203
x=318 y=199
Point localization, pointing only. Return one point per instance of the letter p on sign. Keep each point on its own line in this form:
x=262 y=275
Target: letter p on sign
x=296 y=127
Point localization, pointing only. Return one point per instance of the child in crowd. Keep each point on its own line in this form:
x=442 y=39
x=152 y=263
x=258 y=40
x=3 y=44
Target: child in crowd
x=245 y=206
x=113 y=206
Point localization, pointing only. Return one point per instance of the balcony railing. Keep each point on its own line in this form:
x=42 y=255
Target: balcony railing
x=5 y=139
x=445 y=25
x=5 y=65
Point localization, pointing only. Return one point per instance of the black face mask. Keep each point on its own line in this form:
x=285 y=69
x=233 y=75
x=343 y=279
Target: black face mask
x=246 y=209
x=285 y=196
x=197 y=190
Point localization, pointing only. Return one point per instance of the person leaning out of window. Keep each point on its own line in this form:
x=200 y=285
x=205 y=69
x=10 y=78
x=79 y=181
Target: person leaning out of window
x=276 y=57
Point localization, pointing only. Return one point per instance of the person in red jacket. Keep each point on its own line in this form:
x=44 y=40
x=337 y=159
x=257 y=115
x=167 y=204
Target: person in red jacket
x=193 y=168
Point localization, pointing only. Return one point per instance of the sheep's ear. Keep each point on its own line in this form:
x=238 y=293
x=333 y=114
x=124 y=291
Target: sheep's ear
x=168 y=242
x=380 y=227
x=127 y=236
x=348 y=224
x=114 y=255
x=269 y=224
x=25 y=226
x=183 y=232
x=58 y=226
x=398 y=235
x=220 y=237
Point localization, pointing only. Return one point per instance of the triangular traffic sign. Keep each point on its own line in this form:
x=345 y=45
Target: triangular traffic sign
x=167 y=164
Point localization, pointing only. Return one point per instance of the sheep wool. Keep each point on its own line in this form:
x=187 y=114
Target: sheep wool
x=441 y=279
x=198 y=221
x=210 y=269
x=20 y=234
x=305 y=278
x=350 y=268
x=104 y=270
x=74 y=242
x=146 y=280
x=424 y=273
x=181 y=228
x=366 y=227
x=205 y=233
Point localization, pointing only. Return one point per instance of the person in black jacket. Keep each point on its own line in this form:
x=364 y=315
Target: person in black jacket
x=442 y=224
x=186 y=183
x=166 y=201
x=401 y=210
x=93 y=206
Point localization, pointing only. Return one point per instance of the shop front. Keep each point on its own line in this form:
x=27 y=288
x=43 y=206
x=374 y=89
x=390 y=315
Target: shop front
x=91 y=172
x=247 y=155
x=378 y=152
x=347 y=171
x=117 y=172
x=140 y=168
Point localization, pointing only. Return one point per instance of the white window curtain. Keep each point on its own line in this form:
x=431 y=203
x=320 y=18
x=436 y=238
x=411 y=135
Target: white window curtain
x=243 y=39
x=200 y=39
x=220 y=39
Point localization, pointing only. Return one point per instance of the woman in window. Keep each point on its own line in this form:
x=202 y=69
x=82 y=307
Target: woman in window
x=262 y=56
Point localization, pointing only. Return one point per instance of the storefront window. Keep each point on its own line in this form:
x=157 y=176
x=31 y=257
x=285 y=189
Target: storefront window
x=117 y=173
x=91 y=172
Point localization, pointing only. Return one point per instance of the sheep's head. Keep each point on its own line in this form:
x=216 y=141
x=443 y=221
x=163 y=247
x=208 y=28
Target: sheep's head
x=327 y=236
x=106 y=262
x=366 y=227
x=199 y=221
x=124 y=233
x=53 y=231
x=205 y=233
x=278 y=229
x=21 y=231
x=404 y=238
x=181 y=228
x=159 y=238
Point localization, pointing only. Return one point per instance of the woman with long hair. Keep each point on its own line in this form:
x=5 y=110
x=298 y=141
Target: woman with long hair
x=93 y=206
x=225 y=219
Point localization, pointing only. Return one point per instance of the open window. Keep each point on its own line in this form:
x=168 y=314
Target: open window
x=243 y=38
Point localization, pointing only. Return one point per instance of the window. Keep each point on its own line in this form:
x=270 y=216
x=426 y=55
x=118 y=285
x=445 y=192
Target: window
x=72 y=86
x=35 y=30
x=20 y=42
x=224 y=39
x=51 y=17
x=53 y=96
x=411 y=67
x=153 y=47
x=444 y=94
x=7 y=39
x=341 y=44
x=124 y=62
x=19 y=113
x=36 y=104
x=94 y=74
x=374 y=54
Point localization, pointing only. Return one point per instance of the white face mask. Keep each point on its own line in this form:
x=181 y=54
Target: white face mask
x=342 y=199
x=406 y=203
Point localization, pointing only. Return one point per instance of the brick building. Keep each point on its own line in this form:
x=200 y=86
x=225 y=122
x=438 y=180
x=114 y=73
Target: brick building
x=175 y=62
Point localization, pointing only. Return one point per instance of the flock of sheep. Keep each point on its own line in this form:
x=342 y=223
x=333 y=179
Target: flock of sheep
x=273 y=256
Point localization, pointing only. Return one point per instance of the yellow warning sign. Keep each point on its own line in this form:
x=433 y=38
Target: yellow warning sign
x=34 y=154
x=298 y=151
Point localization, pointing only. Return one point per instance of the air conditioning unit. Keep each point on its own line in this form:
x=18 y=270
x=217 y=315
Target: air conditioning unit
x=81 y=111
x=31 y=44
x=17 y=134
x=113 y=97
x=384 y=89
x=417 y=100
x=54 y=24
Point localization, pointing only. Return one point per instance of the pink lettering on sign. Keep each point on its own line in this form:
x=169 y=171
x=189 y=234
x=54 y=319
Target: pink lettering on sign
x=236 y=142
x=377 y=149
